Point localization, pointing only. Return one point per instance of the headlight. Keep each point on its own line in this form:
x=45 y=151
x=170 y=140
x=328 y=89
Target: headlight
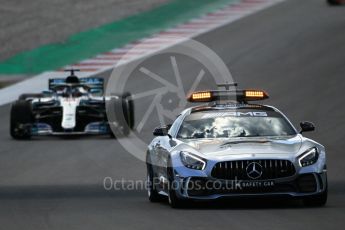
x=309 y=157
x=191 y=161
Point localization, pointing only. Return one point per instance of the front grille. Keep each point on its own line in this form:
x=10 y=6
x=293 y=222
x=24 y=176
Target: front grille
x=271 y=169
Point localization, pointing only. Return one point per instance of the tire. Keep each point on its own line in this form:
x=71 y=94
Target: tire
x=111 y=134
x=316 y=200
x=123 y=108
x=21 y=120
x=128 y=107
x=126 y=129
x=174 y=200
x=333 y=2
x=118 y=125
x=152 y=193
x=30 y=95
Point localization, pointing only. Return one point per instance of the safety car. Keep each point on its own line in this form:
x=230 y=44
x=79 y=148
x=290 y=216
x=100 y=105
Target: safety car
x=230 y=146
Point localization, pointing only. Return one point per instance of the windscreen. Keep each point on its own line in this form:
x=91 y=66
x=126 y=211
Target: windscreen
x=239 y=123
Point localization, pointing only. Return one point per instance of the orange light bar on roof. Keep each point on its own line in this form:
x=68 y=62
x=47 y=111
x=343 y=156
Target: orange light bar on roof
x=204 y=96
x=221 y=96
x=255 y=94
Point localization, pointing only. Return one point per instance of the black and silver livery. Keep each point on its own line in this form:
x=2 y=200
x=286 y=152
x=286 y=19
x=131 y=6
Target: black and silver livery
x=71 y=106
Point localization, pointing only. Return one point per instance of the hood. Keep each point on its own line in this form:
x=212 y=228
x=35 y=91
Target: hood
x=240 y=146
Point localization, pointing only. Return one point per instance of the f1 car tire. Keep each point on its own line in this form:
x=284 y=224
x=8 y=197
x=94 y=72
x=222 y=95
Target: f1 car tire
x=123 y=108
x=334 y=2
x=21 y=120
x=316 y=200
x=30 y=95
x=128 y=108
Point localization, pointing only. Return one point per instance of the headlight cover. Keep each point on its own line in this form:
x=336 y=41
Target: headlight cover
x=191 y=161
x=309 y=157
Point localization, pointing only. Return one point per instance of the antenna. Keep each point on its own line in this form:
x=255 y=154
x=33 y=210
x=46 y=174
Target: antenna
x=227 y=85
x=227 y=88
x=72 y=71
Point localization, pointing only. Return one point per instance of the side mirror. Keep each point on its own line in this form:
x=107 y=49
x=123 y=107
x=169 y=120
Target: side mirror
x=307 y=126
x=160 y=131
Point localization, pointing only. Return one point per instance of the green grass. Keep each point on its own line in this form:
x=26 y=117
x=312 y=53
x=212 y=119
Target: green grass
x=104 y=38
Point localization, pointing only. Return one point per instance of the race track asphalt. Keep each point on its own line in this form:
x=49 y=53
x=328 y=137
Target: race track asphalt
x=294 y=50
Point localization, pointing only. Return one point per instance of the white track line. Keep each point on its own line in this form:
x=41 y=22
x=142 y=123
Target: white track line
x=160 y=41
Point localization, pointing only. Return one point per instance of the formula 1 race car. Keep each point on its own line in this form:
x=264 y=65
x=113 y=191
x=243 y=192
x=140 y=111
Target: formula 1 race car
x=231 y=148
x=71 y=106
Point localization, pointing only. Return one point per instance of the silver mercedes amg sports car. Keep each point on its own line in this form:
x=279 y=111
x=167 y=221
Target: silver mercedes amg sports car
x=230 y=147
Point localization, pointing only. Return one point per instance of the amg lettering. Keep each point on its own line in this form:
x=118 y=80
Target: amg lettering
x=235 y=114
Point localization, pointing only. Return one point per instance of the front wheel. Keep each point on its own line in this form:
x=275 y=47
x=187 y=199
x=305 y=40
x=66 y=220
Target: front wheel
x=334 y=2
x=122 y=109
x=174 y=200
x=128 y=109
x=30 y=96
x=21 y=120
x=151 y=189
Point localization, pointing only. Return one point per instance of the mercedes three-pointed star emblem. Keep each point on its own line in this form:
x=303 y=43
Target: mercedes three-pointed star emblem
x=254 y=170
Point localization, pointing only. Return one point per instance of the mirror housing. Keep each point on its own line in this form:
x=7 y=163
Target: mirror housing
x=307 y=126
x=161 y=131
